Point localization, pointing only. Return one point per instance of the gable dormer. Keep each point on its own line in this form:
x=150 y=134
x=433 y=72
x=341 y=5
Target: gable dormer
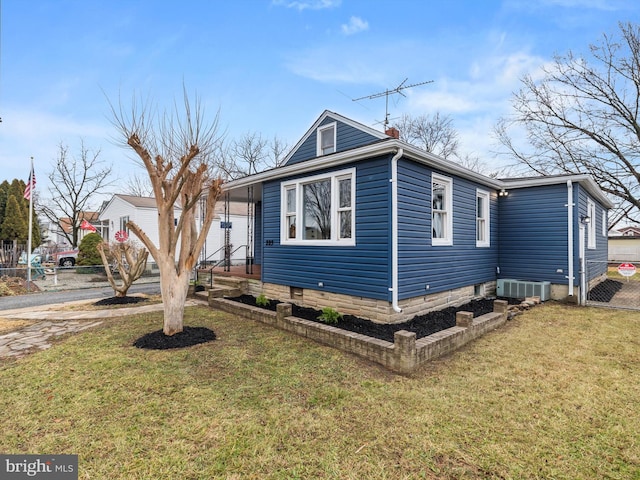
x=332 y=133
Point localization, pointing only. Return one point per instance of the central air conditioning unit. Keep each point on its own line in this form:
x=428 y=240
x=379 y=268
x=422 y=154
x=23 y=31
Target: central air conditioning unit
x=520 y=289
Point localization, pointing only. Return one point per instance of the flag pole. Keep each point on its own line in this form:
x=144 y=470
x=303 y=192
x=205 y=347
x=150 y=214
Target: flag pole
x=30 y=226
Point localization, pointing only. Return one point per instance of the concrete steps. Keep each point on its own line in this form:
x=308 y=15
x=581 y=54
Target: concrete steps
x=224 y=287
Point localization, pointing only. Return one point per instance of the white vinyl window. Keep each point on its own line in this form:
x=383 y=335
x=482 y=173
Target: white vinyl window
x=319 y=210
x=591 y=226
x=482 y=219
x=290 y=211
x=442 y=210
x=326 y=139
x=123 y=223
x=605 y=230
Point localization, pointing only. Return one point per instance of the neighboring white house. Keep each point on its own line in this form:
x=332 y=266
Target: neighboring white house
x=144 y=212
x=624 y=245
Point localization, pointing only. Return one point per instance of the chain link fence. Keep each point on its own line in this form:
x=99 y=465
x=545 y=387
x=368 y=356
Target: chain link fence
x=620 y=288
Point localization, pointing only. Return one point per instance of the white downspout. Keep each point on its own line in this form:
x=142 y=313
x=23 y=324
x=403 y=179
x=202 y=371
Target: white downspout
x=394 y=230
x=570 y=234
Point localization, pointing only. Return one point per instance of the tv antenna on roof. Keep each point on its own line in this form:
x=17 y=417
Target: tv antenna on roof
x=386 y=94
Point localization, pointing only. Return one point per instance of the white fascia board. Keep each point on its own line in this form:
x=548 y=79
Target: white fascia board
x=447 y=166
x=340 y=118
x=327 y=161
x=390 y=146
x=585 y=180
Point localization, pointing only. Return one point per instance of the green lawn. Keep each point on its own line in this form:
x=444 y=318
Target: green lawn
x=555 y=394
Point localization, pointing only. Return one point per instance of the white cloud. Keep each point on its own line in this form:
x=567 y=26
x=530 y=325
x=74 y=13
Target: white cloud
x=307 y=4
x=355 y=25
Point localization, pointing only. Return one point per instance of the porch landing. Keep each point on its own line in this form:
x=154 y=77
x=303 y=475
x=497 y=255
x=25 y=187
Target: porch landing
x=239 y=271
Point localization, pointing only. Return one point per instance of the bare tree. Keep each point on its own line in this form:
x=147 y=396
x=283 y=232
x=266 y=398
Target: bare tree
x=250 y=154
x=177 y=150
x=128 y=259
x=74 y=182
x=139 y=186
x=581 y=116
x=432 y=133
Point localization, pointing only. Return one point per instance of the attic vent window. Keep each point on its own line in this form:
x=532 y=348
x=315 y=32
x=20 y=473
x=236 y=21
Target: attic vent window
x=326 y=139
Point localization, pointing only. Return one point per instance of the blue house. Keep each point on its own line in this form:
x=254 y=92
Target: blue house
x=360 y=221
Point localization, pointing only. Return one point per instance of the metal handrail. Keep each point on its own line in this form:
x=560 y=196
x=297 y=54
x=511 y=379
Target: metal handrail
x=220 y=262
x=207 y=259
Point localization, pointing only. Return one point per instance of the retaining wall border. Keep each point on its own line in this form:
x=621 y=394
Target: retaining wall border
x=404 y=355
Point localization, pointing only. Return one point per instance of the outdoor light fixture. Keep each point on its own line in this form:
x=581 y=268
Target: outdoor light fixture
x=503 y=193
x=585 y=219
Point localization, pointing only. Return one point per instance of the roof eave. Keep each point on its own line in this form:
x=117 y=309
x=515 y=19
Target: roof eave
x=390 y=146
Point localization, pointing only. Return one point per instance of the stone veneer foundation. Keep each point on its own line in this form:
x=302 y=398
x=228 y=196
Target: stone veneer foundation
x=378 y=311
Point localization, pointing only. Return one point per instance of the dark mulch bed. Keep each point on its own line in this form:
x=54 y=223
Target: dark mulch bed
x=188 y=337
x=422 y=325
x=119 y=301
x=604 y=291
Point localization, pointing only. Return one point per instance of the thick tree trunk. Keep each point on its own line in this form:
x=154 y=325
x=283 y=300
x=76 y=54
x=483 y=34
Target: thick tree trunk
x=174 y=289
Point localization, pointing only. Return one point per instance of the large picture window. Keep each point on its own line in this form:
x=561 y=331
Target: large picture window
x=442 y=210
x=319 y=210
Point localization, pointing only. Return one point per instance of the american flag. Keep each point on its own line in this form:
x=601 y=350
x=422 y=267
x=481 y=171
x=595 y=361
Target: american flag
x=31 y=184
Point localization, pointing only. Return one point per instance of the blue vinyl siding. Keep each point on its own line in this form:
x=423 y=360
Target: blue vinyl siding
x=347 y=137
x=597 y=257
x=533 y=240
x=360 y=270
x=441 y=267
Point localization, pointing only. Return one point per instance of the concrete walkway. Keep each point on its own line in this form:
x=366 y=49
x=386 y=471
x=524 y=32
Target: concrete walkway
x=52 y=321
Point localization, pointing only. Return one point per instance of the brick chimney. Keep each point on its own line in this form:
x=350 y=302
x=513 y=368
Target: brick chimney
x=393 y=132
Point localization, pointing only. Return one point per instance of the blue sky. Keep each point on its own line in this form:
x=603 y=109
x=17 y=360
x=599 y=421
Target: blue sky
x=272 y=66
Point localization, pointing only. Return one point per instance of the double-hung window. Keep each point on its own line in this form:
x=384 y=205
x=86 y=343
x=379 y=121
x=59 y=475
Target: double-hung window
x=319 y=210
x=591 y=226
x=442 y=210
x=326 y=139
x=123 y=223
x=482 y=219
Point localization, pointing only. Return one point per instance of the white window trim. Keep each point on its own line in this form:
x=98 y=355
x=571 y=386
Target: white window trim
x=335 y=220
x=321 y=129
x=486 y=216
x=448 y=182
x=605 y=230
x=591 y=226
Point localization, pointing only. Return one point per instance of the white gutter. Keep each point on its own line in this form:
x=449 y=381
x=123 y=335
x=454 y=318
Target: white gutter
x=394 y=230
x=570 y=234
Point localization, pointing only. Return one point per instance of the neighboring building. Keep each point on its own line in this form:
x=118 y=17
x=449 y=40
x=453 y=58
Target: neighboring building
x=64 y=226
x=627 y=232
x=360 y=221
x=144 y=212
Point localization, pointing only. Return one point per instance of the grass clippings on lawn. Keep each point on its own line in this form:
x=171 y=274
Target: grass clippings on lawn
x=553 y=394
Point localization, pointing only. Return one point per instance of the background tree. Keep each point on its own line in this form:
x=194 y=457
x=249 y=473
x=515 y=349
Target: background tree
x=74 y=183
x=436 y=134
x=139 y=186
x=19 y=214
x=581 y=116
x=4 y=192
x=251 y=153
x=128 y=259
x=177 y=150
x=14 y=225
x=432 y=133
